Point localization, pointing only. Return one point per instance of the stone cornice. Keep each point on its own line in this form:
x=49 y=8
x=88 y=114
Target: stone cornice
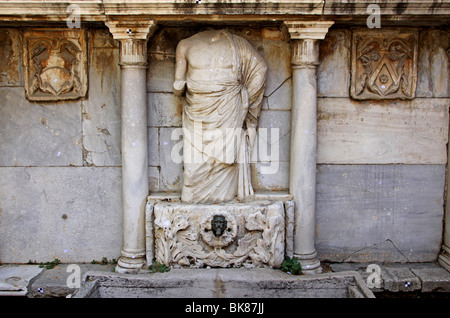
x=208 y=10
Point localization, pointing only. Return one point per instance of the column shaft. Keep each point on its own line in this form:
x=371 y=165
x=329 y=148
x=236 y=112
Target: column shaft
x=305 y=38
x=134 y=165
x=132 y=34
x=304 y=151
x=444 y=258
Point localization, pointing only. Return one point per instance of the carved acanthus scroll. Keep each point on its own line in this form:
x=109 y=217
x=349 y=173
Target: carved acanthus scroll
x=250 y=235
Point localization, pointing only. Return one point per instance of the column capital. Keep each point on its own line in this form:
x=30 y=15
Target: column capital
x=305 y=38
x=305 y=53
x=132 y=36
x=131 y=29
x=312 y=30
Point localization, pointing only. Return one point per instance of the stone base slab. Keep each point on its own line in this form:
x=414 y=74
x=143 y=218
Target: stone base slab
x=223 y=283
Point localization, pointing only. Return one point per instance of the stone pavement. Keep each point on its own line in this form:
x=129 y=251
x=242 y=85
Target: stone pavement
x=401 y=277
x=35 y=282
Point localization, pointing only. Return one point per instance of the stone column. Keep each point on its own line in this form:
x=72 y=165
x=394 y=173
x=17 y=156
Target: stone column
x=132 y=37
x=305 y=38
x=444 y=258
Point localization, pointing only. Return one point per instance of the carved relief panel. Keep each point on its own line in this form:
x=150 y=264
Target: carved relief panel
x=197 y=235
x=384 y=64
x=55 y=64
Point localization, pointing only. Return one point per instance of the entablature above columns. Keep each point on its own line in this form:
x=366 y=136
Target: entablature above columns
x=351 y=12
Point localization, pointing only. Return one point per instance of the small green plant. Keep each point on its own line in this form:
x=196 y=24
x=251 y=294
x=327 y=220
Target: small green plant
x=291 y=266
x=50 y=265
x=105 y=261
x=160 y=268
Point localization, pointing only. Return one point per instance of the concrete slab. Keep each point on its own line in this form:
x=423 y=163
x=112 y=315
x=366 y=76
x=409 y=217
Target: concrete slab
x=14 y=279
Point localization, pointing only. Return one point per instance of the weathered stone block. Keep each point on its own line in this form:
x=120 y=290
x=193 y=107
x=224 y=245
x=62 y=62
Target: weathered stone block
x=409 y=132
x=281 y=98
x=15 y=279
x=277 y=55
x=11 y=72
x=433 y=64
x=161 y=58
x=273 y=176
x=153 y=179
x=33 y=134
x=70 y=213
x=161 y=73
x=273 y=139
x=102 y=38
x=333 y=73
x=164 y=110
x=399 y=279
x=101 y=110
x=171 y=174
x=433 y=279
x=153 y=146
x=386 y=213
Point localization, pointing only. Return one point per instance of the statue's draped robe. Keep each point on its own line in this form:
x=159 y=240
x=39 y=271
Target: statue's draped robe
x=218 y=123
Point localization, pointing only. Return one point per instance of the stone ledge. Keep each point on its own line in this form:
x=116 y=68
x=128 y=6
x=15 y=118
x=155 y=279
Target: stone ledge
x=211 y=10
x=15 y=279
x=263 y=195
x=403 y=277
x=50 y=283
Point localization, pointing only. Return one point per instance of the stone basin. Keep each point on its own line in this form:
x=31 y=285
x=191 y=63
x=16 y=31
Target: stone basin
x=223 y=283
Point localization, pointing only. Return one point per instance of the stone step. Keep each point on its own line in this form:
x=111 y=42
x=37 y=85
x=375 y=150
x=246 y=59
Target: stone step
x=403 y=277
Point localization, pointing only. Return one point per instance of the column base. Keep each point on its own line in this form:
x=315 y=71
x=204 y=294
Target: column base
x=130 y=264
x=310 y=263
x=444 y=258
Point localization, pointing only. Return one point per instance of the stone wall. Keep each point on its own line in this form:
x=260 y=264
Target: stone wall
x=60 y=185
x=381 y=164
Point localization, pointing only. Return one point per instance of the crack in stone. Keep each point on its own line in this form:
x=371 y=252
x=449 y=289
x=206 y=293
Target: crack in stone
x=345 y=259
x=282 y=83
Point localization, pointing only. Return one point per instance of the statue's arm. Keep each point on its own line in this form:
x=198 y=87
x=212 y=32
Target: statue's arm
x=180 y=68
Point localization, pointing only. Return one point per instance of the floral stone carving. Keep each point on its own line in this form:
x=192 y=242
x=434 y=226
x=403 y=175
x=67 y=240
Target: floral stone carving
x=224 y=235
x=384 y=64
x=55 y=64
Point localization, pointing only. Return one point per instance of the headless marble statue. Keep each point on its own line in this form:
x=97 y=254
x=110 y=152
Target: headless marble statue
x=223 y=78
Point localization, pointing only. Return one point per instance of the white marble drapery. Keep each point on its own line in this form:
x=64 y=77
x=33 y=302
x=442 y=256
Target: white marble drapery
x=224 y=98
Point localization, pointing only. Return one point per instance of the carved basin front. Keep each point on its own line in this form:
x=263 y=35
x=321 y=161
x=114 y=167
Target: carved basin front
x=219 y=235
